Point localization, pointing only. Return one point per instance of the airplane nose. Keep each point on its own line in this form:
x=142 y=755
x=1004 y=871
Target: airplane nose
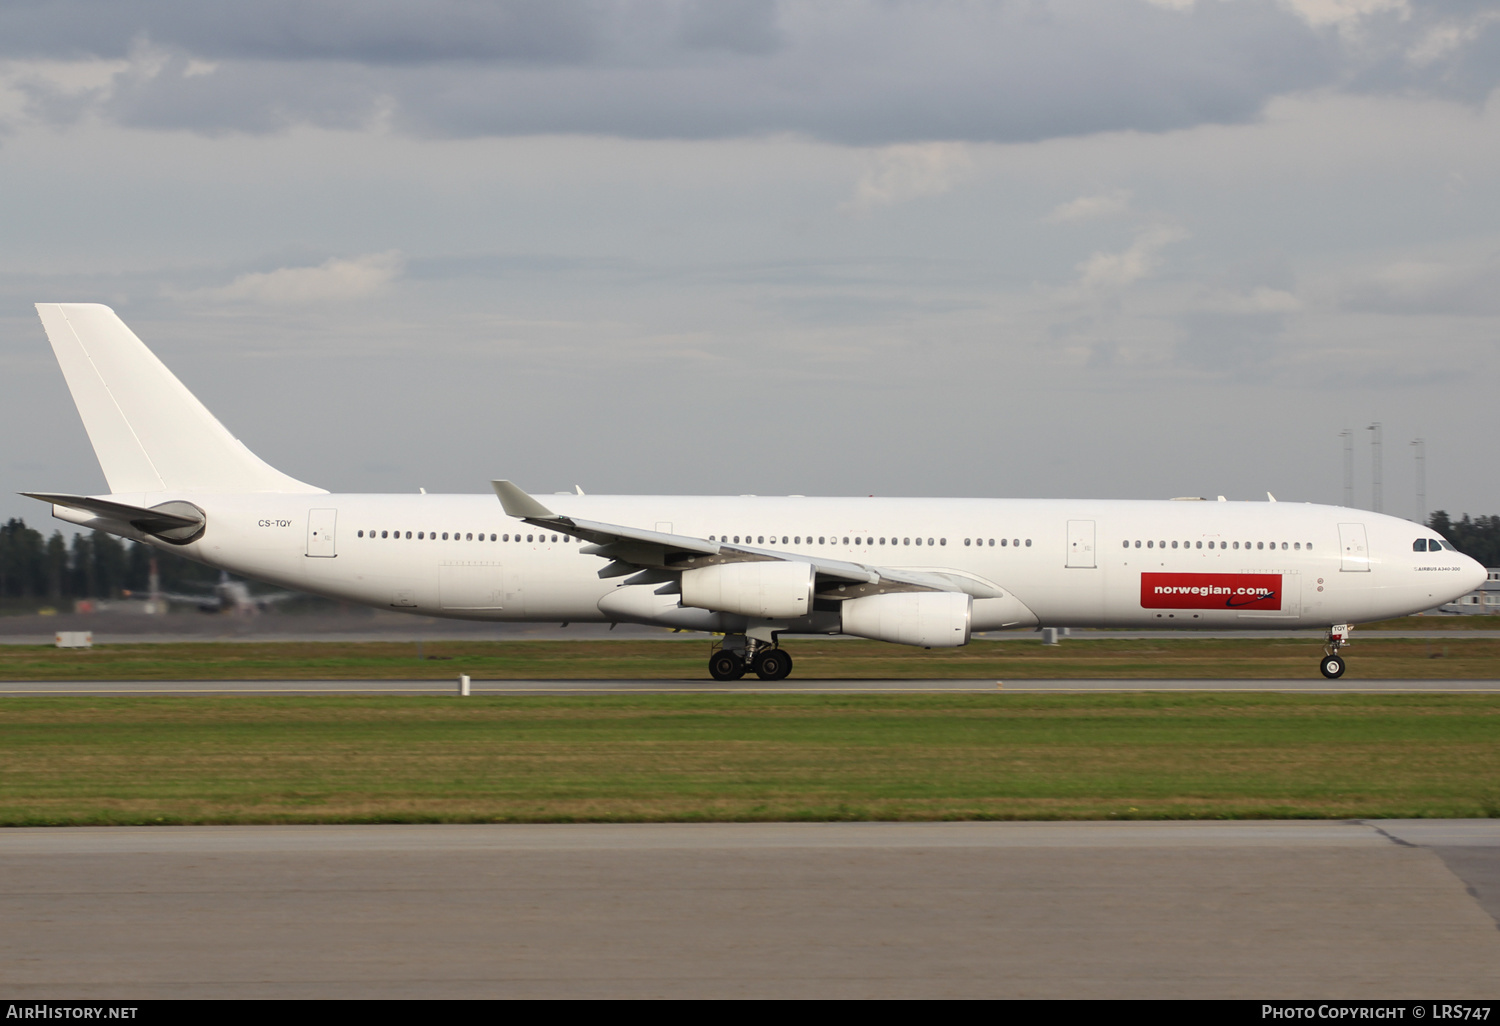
x=1474 y=573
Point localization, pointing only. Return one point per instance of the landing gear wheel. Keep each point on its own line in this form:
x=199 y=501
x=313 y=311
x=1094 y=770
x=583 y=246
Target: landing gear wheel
x=1332 y=667
x=773 y=664
x=726 y=666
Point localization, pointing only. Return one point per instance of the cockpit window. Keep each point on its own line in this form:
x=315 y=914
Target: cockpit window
x=1446 y=544
x=1420 y=545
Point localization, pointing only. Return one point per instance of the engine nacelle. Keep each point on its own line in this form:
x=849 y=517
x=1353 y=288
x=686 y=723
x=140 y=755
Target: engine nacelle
x=769 y=589
x=931 y=619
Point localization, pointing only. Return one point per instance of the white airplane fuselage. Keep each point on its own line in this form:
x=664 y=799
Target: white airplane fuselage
x=923 y=572
x=1083 y=563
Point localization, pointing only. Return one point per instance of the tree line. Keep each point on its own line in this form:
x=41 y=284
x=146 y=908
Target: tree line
x=95 y=565
x=1478 y=537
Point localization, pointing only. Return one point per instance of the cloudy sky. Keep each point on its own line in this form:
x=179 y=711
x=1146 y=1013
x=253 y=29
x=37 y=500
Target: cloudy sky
x=1126 y=248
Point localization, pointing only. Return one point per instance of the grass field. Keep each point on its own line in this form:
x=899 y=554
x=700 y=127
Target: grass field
x=746 y=757
x=1371 y=657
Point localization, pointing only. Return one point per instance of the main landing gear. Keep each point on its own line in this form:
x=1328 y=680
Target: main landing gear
x=740 y=654
x=1333 y=664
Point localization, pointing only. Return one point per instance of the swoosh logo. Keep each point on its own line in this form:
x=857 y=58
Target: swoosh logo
x=1232 y=604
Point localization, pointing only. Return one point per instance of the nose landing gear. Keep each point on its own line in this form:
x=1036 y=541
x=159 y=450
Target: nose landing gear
x=1333 y=664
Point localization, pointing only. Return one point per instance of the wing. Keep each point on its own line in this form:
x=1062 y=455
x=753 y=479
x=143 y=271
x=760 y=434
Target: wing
x=657 y=558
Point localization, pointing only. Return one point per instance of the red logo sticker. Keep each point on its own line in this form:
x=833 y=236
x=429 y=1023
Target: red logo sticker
x=1211 y=591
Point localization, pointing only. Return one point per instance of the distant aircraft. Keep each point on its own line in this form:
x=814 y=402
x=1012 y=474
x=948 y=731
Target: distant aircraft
x=226 y=596
x=914 y=571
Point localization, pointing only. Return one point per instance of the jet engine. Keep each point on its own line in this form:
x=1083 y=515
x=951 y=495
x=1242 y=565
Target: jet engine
x=769 y=589
x=932 y=619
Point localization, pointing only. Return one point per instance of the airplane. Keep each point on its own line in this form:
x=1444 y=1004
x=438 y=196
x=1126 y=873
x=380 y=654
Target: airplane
x=226 y=595
x=751 y=570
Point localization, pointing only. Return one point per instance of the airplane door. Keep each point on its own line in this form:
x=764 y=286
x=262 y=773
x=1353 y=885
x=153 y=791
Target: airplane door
x=1081 y=543
x=1354 y=548
x=320 y=533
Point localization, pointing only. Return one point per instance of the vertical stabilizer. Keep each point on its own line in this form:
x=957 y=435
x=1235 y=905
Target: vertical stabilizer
x=150 y=433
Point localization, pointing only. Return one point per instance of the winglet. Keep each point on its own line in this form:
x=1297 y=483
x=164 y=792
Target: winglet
x=518 y=504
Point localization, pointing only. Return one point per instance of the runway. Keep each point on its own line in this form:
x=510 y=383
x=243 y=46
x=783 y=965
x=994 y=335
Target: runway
x=988 y=685
x=1383 y=909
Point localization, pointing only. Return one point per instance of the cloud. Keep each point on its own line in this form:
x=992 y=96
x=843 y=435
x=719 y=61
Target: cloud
x=1448 y=37
x=1346 y=13
x=1092 y=208
x=333 y=281
x=1103 y=271
x=1250 y=345
x=860 y=72
x=900 y=173
x=1259 y=300
x=1463 y=287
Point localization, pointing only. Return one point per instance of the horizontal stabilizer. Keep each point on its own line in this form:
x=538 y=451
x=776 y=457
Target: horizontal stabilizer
x=174 y=520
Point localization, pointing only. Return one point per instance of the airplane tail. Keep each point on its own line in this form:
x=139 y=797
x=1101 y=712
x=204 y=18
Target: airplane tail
x=150 y=433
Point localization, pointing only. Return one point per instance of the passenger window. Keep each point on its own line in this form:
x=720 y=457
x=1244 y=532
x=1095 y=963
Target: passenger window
x=1126 y=543
x=1283 y=546
x=942 y=541
x=820 y=539
x=846 y=541
x=382 y=534
x=1004 y=542
x=1200 y=544
x=1237 y=544
x=1297 y=546
x=1174 y=545
x=361 y=534
x=1260 y=545
x=1028 y=543
x=529 y=538
x=1137 y=543
x=966 y=541
x=919 y=541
